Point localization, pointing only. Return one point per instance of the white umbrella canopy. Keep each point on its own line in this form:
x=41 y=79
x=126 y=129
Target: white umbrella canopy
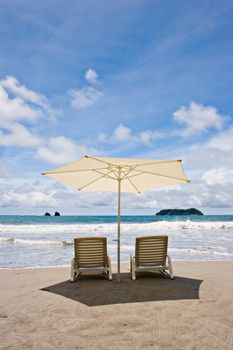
x=119 y=175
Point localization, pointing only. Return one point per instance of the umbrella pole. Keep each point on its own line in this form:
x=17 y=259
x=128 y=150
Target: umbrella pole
x=118 y=232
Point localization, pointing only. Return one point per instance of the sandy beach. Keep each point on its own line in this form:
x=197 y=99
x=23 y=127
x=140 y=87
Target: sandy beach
x=40 y=309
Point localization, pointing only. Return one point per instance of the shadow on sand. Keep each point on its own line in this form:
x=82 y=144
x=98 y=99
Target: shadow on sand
x=96 y=291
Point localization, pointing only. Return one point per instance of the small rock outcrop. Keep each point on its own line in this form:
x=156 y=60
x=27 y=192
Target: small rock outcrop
x=47 y=214
x=57 y=213
x=191 y=211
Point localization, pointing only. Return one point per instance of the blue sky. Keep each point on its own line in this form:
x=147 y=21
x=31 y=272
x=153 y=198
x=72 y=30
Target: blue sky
x=149 y=79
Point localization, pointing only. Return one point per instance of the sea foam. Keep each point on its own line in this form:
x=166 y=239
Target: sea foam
x=51 y=244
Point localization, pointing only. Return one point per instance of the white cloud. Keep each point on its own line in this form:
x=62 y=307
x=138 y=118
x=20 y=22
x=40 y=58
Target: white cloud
x=223 y=141
x=60 y=150
x=12 y=85
x=18 y=135
x=197 y=118
x=15 y=109
x=91 y=76
x=22 y=97
x=49 y=195
x=148 y=136
x=208 y=164
x=194 y=201
x=219 y=176
x=18 y=105
x=216 y=152
x=85 y=97
x=35 y=198
x=124 y=134
x=21 y=192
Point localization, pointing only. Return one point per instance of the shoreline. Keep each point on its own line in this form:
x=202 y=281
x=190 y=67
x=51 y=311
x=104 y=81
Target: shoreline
x=41 y=309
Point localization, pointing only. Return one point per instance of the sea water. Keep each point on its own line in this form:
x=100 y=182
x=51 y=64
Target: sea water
x=32 y=241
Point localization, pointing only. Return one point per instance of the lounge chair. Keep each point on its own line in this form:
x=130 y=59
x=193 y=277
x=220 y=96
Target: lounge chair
x=90 y=255
x=151 y=255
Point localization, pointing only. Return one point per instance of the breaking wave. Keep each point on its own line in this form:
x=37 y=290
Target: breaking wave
x=43 y=244
x=13 y=240
x=84 y=228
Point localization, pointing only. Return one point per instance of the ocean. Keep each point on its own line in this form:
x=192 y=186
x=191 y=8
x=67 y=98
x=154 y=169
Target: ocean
x=34 y=241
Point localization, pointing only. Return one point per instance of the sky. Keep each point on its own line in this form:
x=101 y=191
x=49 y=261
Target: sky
x=127 y=78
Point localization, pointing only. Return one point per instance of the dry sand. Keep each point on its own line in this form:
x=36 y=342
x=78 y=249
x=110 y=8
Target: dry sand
x=40 y=309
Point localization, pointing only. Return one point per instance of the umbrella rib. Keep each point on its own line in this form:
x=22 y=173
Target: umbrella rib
x=151 y=173
x=131 y=182
x=105 y=162
x=70 y=171
x=138 y=164
x=160 y=162
x=106 y=175
x=100 y=160
x=109 y=164
x=127 y=172
x=90 y=183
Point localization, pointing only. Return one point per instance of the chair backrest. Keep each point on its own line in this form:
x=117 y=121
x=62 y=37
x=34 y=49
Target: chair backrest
x=90 y=252
x=151 y=250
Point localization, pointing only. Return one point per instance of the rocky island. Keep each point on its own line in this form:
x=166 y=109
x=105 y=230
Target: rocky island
x=191 y=211
x=55 y=214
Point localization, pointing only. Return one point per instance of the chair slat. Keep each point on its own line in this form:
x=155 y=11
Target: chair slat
x=151 y=250
x=90 y=251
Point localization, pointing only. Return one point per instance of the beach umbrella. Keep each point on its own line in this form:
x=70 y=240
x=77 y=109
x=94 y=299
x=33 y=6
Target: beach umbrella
x=119 y=175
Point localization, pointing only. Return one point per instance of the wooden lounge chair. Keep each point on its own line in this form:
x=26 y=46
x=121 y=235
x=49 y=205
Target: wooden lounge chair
x=151 y=255
x=90 y=255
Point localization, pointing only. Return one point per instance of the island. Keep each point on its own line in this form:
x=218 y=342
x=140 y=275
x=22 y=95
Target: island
x=47 y=214
x=191 y=211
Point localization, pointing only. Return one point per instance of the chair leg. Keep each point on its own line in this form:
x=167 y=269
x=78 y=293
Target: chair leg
x=170 y=267
x=109 y=269
x=72 y=272
x=133 y=272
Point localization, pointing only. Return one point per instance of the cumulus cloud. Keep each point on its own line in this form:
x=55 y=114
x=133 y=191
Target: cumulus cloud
x=20 y=105
x=15 y=109
x=209 y=166
x=197 y=119
x=221 y=176
x=148 y=136
x=124 y=134
x=60 y=150
x=198 y=194
x=223 y=141
x=84 y=97
x=22 y=192
x=18 y=135
x=12 y=85
x=21 y=109
x=32 y=101
x=214 y=152
x=87 y=95
x=91 y=76
x=35 y=198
